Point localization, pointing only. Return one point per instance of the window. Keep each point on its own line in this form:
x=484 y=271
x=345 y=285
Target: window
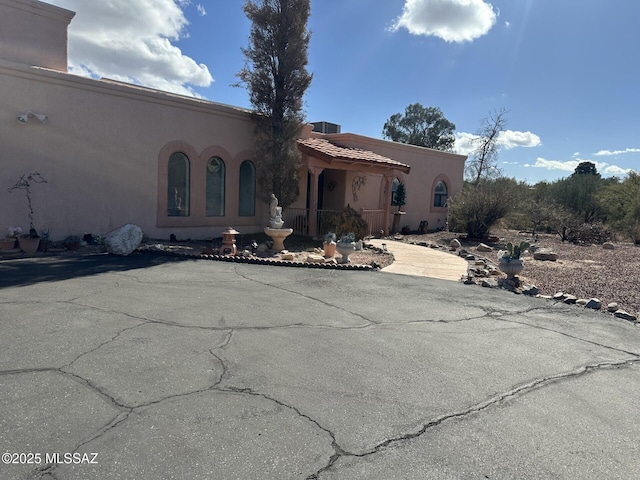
x=247 y=190
x=394 y=187
x=440 y=197
x=178 y=185
x=215 y=187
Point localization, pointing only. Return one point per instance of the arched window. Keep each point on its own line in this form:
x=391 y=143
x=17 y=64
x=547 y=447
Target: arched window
x=215 y=187
x=247 y=190
x=178 y=185
x=440 y=196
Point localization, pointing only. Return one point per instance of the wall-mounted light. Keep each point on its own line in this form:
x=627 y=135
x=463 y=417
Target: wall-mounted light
x=24 y=118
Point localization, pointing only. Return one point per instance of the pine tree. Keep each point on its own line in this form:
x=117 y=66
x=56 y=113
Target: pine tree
x=276 y=76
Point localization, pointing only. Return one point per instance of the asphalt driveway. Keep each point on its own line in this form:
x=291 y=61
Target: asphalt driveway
x=161 y=368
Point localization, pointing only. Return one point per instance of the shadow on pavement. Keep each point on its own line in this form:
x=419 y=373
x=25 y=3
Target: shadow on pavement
x=29 y=271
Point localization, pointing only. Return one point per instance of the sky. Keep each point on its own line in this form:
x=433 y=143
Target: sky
x=566 y=72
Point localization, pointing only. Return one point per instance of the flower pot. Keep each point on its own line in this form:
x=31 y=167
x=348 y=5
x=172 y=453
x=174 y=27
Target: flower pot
x=345 y=249
x=510 y=266
x=29 y=245
x=7 y=243
x=329 y=249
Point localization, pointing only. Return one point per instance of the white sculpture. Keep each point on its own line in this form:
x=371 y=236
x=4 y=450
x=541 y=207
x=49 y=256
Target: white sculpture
x=275 y=213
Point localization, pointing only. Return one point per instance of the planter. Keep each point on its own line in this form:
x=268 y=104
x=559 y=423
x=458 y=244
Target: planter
x=345 y=249
x=29 y=245
x=395 y=228
x=7 y=243
x=329 y=249
x=511 y=266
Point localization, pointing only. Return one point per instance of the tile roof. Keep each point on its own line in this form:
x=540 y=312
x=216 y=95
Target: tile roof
x=327 y=149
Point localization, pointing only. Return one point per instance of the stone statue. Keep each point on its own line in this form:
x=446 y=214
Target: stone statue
x=275 y=213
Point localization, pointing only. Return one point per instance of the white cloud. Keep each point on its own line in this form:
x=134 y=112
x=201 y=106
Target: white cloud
x=510 y=139
x=507 y=139
x=201 y=10
x=450 y=20
x=570 y=166
x=131 y=41
x=616 y=152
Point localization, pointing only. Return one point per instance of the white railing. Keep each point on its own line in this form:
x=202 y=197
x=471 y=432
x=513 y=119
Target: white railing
x=375 y=219
x=296 y=218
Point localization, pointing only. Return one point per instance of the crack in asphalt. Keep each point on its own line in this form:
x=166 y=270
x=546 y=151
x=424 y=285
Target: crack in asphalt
x=515 y=392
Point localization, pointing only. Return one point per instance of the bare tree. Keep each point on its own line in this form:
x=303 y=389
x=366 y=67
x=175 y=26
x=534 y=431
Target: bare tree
x=276 y=76
x=482 y=162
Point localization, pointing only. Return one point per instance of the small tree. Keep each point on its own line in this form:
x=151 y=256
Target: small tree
x=400 y=196
x=276 y=76
x=422 y=126
x=481 y=164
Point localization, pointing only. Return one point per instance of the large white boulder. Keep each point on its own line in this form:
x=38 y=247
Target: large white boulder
x=123 y=240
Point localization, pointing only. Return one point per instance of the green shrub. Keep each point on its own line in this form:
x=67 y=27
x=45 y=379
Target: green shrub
x=344 y=222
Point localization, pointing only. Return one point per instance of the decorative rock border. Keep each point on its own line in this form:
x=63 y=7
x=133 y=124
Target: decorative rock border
x=258 y=260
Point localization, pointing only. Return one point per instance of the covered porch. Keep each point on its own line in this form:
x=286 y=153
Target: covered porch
x=339 y=176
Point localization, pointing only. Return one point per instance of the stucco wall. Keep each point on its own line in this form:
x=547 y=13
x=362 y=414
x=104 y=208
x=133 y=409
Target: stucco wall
x=100 y=152
x=34 y=33
x=427 y=168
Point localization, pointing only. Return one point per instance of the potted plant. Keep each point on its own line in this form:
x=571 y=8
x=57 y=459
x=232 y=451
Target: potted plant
x=346 y=246
x=509 y=260
x=329 y=245
x=9 y=242
x=399 y=200
x=28 y=243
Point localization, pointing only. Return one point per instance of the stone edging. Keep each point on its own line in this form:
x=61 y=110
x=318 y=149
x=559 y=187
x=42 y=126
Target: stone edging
x=261 y=261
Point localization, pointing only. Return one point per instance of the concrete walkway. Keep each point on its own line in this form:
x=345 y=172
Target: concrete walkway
x=422 y=261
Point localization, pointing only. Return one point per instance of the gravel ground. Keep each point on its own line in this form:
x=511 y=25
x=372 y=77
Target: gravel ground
x=586 y=271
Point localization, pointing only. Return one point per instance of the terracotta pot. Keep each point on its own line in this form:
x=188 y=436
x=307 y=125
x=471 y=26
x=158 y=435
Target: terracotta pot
x=329 y=249
x=511 y=267
x=29 y=245
x=7 y=243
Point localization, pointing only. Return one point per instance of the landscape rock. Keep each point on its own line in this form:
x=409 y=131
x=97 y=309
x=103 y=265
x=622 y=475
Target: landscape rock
x=123 y=240
x=608 y=246
x=490 y=283
x=470 y=257
x=262 y=248
x=483 y=247
x=314 y=258
x=582 y=302
x=570 y=299
x=612 y=307
x=531 y=290
x=558 y=296
x=545 y=254
x=625 y=315
x=455 y=243
x=287 y=256
x=594 y=303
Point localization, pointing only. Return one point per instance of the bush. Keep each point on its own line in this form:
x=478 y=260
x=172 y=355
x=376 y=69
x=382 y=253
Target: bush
x=589 y=233
x=478 y=207
x=344 y=222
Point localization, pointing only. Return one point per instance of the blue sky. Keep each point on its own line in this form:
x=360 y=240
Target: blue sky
x=567 y=72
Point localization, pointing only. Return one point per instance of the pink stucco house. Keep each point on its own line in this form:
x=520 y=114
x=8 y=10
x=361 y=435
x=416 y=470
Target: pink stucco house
x=116 y=153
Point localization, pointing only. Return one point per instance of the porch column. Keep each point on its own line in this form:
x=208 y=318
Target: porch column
x=387 y=201
x=314 y=173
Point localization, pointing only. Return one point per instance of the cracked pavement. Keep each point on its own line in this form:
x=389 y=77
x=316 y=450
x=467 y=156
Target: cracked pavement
x=191 y=369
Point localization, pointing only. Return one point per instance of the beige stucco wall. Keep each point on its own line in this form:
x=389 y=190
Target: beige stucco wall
x=100 y=153
x=428 y=166
x=34 y=33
